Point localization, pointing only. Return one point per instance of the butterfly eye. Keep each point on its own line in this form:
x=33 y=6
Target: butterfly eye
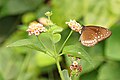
x=91 y=35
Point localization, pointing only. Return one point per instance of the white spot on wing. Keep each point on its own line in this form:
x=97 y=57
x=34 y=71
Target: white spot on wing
x=95 y=37
x=98 y=36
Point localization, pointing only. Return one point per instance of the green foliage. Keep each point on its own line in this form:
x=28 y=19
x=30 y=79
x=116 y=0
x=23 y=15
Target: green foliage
x=101 y=13
x=56 y=38
x=23 y=42
x=109 y=71
x=13 y=59
x=28 y=17
x=43 y=60
x=91 y=76
x=47 y=41
x=27 y=43
x=112 y=52
x=55 y=29
x=105 y=55
x=96 y=54
x=7 y=66
x=68 y=10
x=13 y=7
x=77 y=51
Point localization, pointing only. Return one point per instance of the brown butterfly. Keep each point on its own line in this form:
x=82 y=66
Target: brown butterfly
x=91 y=35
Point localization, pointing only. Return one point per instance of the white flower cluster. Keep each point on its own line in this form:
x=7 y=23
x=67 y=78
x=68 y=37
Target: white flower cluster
x=74 y=26
x=75 y=68
x=35 y=28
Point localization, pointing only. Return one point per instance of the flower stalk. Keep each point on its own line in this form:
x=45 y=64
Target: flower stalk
x=59 y=69
x=65 y=41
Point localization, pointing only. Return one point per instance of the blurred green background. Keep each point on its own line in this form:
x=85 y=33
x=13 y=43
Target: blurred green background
x=21 y=63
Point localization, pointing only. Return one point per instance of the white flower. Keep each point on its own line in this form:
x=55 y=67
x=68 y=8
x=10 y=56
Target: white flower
x=74 y=26
x=35 y=28
x=75 y=63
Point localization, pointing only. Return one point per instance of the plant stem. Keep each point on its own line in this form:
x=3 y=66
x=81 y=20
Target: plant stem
x=49 y=18
x=57 y=61
x=65 y=41
x=59 y=69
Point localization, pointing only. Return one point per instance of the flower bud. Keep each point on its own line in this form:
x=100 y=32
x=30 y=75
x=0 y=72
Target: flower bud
x=48 y=13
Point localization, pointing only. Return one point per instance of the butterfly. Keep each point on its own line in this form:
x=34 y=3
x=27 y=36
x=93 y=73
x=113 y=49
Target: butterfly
x=91 y=35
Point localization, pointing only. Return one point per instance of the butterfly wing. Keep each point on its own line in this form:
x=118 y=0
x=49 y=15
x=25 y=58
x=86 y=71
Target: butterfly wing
x=103 y=33
x=91 y=35
x=88 y=37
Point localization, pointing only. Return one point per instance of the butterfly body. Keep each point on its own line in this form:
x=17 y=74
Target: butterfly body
x=91 y=35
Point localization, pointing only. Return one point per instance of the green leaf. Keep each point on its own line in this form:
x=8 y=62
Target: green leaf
x=109 y=71
x=23 y=42
x=47 y=41
x=95 y=53
x=113 y=44
x=56 y=38
x=28 y=43
x=77 y=51
x=91 y=76
x=74 y=38
x=65 y=74
x=43 y=60
x=37 y=45
x=55 y=29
